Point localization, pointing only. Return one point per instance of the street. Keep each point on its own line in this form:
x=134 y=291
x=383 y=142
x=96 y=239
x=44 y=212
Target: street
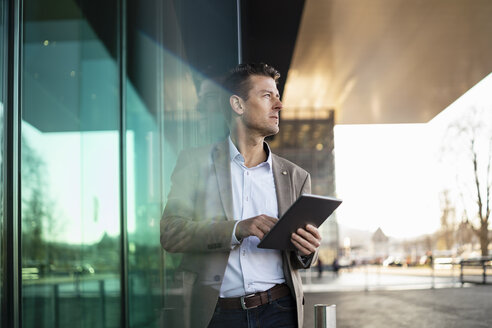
x=366 y=298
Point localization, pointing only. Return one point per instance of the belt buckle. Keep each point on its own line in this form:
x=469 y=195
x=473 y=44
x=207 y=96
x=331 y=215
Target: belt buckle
x=243 y=304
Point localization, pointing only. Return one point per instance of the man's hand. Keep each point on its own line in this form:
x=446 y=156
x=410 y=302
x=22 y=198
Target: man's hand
x=306 y=240
x=256 y=226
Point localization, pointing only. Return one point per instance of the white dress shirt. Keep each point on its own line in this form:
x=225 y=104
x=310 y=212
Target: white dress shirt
x=251 y=269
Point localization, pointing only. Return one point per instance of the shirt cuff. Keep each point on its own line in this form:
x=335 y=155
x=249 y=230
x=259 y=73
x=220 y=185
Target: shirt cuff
x=234 y=241
x=305 y=259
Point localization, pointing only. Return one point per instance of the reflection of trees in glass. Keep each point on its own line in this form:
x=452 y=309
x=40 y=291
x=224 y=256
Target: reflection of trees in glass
x=470 y=147
x=37 y=210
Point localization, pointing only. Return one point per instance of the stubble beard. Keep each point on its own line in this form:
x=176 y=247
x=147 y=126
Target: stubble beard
x=265 y=130
x=268 y=131
x=274 y=131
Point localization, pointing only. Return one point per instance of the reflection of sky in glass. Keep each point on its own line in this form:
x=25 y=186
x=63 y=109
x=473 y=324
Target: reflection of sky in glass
x=70 y=120
x=67 y=157
x=390 y=176
x=82 y=181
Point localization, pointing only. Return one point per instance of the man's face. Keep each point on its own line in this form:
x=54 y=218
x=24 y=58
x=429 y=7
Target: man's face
x=261 y=110
x=208 y=97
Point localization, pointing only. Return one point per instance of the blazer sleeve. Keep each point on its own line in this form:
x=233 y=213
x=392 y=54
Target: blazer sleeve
x=183 y=227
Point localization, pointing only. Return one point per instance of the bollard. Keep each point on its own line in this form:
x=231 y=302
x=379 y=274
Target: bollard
x=433 y=276
x=325 y=316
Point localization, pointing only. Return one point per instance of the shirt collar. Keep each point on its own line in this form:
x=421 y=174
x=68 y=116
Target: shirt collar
x=234 y=153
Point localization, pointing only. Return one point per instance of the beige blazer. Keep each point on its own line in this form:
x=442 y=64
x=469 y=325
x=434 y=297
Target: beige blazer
x=198 y=222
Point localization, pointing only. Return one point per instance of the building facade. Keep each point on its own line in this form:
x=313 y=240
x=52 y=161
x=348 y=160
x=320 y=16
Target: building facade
x=97 y=99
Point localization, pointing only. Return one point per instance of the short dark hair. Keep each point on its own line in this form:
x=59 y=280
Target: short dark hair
x=237 y=81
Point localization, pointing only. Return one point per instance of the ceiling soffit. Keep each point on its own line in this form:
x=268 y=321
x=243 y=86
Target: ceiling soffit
x=388 y=61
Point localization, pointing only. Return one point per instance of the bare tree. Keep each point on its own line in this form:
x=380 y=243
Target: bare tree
x=38 y=219
x=472 y=145
x=483 y=205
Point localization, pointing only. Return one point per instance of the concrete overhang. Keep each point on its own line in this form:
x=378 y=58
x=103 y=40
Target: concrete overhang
x=388 y=61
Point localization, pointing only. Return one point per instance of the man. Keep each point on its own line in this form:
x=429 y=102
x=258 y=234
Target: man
x=223 y=200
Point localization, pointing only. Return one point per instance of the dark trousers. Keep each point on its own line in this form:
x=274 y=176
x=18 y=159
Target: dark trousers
x=281 y=313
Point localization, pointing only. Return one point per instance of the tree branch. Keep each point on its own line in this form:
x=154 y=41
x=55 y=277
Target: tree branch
x=477 y=181
x=488 y=182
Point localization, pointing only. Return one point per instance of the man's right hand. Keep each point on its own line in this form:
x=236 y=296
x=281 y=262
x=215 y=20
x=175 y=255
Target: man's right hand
x=256 y=226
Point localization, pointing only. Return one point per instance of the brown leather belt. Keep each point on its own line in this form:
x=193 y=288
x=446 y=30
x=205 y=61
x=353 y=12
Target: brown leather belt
x=254 y=300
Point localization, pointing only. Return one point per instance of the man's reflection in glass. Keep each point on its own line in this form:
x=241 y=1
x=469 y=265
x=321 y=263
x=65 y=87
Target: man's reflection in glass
x=212 y=126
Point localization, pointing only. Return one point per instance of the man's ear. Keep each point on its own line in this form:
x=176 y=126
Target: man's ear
x=236 y=106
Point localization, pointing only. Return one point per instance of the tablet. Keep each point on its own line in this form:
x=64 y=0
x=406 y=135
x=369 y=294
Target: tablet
x=307 y=209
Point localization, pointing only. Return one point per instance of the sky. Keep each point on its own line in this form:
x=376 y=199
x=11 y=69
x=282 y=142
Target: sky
x=385 y=176
x=391 y=176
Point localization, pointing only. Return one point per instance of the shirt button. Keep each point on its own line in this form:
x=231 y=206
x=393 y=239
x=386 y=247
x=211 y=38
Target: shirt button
x=217 y=278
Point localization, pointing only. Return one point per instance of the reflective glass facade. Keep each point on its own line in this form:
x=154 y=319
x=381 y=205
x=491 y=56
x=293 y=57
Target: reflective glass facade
x=176 y=50
x=109 y=94
x=70 y=200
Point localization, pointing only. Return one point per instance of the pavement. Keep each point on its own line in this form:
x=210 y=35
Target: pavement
x=468 y=306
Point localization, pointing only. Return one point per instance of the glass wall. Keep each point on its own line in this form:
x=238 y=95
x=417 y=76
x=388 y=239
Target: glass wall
x=70 y=172
x=111 y=92
x=80 y=166
x=177 y=51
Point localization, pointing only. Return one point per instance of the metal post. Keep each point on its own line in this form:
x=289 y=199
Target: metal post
x=484 y=272
x=453 y=271
x=461 y=274
x=325 y=316
x=367 y=278
x=433 y=283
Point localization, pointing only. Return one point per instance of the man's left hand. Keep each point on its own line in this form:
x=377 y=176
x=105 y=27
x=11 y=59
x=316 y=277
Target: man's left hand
x=306 y=240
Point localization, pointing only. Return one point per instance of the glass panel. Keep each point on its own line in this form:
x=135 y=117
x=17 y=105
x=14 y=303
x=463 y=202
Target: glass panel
x=70 y=166
x=176 y=50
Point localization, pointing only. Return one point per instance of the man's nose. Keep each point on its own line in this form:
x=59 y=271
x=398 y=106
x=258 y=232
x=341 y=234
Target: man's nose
x=278 y=105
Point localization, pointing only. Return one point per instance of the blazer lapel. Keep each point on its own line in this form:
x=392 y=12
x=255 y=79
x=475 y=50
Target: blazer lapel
x=220 y=157
x=283 y=186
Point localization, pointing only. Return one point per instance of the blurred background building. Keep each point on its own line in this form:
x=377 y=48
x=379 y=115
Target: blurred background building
x=97 y=99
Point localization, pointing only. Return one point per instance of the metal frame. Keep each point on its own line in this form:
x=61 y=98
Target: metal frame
x=12 y=297
x=482 y=262
x=121 y=19
x=239 y=36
